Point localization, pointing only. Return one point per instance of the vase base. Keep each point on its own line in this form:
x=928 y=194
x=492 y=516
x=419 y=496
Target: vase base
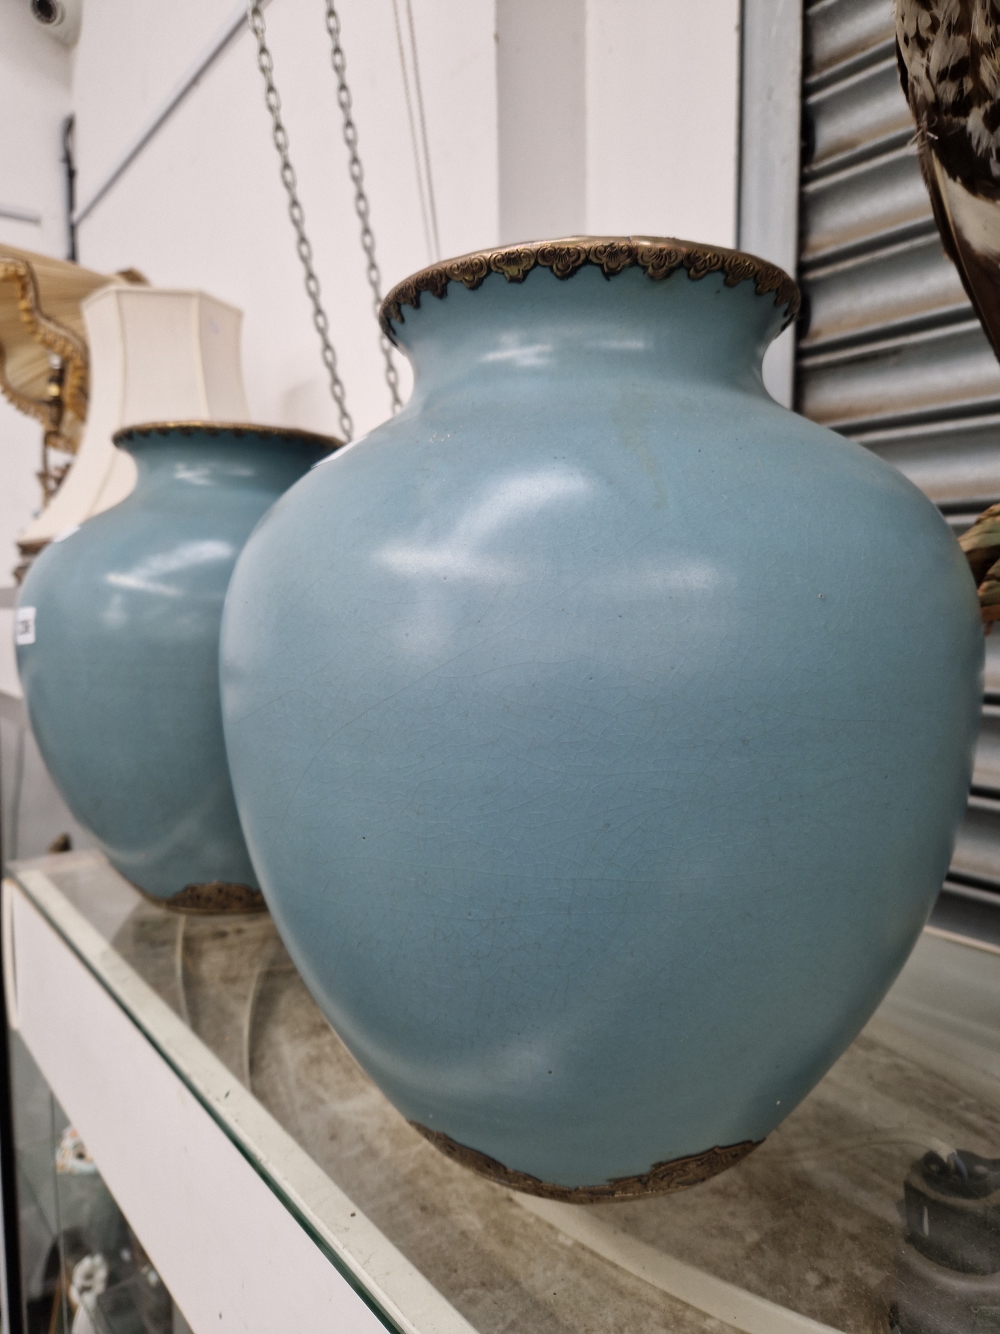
x=677 y=1174
x=215 y=896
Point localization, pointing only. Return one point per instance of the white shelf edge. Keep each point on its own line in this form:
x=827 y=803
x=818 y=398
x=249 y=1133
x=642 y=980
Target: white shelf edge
x=404 y=1294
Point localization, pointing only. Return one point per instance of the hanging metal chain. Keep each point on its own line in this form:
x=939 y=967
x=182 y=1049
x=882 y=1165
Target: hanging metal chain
x=265 y=64
x=361 y=206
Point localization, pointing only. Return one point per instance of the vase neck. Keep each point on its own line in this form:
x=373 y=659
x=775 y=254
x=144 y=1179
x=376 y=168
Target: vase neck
x=194 y=464
x=571 y=334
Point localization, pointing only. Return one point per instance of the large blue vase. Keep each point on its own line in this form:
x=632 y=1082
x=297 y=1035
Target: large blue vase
x=600 y=730
x=119 y=631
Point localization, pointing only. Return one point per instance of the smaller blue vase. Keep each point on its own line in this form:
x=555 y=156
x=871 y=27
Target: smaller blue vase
x=118 y=641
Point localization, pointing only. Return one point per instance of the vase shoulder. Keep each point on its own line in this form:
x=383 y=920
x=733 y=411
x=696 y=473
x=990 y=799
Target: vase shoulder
x=549 y=324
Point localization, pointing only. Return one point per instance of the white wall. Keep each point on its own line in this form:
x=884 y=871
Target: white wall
x=34 y=100
x=203 y=205
x=663 y=117
x=543 y=116
x=618 y=117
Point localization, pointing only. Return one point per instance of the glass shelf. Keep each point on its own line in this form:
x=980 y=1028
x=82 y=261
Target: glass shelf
x=814 y=1222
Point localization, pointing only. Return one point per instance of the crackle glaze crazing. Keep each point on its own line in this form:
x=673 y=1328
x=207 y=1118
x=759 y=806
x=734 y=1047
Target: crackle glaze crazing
x=121 y=682
x=600 y=730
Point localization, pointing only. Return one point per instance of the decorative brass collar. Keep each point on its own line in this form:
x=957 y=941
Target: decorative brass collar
x=327 y=442
x=677 y=1174
x=214 y=896
x=55 y=338
x=660 y=256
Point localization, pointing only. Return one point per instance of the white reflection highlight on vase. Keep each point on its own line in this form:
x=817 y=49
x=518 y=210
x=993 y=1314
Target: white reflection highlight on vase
x=677 y=574
x=148 y=576
x=513 y=351
x=464 y=552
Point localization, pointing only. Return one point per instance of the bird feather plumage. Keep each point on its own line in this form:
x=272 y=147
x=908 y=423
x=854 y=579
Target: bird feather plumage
x=948 y=52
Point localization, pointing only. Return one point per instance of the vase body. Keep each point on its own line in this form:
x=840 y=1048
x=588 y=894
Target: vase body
x=604 y=771
x=118 y=656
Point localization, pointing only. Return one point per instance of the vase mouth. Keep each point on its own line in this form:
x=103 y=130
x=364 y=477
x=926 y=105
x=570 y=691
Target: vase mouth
x=659 y=256
x=294 y=434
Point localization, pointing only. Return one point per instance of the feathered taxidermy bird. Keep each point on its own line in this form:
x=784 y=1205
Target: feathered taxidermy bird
x=949 y=65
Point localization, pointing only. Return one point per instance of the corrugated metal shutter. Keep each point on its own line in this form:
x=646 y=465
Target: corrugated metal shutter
x=889 y=351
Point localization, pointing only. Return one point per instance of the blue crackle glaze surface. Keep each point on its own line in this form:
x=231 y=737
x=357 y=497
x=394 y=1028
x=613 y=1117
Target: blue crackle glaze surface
x=600 y=730
x=121 y=683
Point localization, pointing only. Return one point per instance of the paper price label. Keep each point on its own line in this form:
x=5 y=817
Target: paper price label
x=24 y=626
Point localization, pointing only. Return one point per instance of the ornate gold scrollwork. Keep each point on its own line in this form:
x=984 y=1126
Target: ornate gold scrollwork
x=658 y=256
x=55 y=338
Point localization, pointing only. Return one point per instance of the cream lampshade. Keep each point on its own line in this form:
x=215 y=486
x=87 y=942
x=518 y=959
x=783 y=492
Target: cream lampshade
x=156 y=354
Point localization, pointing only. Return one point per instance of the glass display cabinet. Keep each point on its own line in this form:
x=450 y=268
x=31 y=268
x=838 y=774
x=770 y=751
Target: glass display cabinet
x=191 y=1147
x=82 y=1268
x=268 y=1184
